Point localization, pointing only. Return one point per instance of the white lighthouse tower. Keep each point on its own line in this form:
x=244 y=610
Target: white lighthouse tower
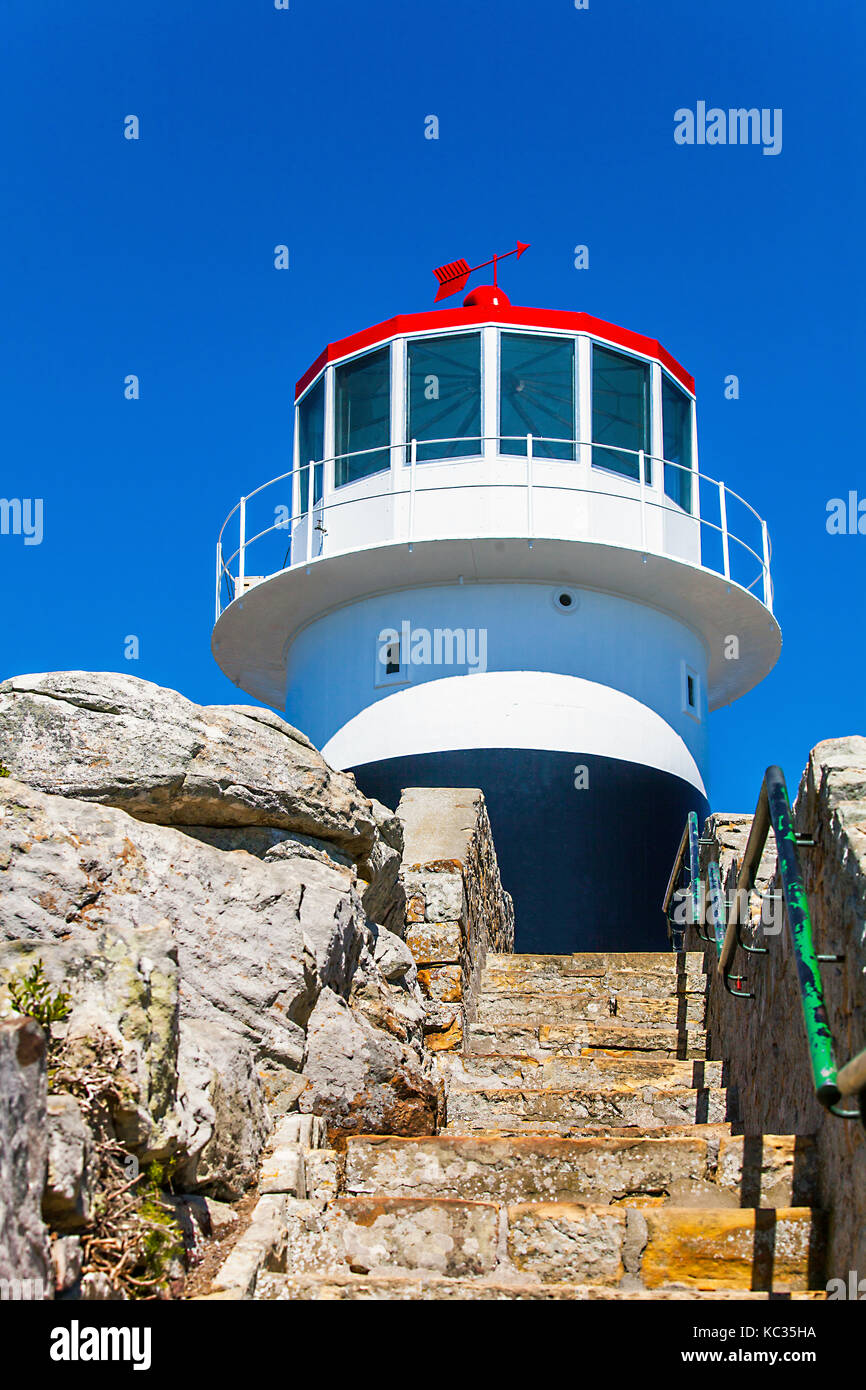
x=496 y=563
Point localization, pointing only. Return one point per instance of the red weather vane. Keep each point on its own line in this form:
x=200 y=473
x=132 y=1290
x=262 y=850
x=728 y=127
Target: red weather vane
x=453 y=276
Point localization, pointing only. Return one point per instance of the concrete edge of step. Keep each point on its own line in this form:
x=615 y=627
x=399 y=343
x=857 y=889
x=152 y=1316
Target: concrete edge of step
x=294 y=1166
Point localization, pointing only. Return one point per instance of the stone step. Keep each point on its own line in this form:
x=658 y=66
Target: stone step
x=515 y=1108
x=559 y=1242
x=413 y=1288
x=658 y=985
x=723 y=1248
x=610 y=1036
x=600 y=962
x=601 y=1070
x=699 y=1168
x=591 y=1006
x=610 y=1132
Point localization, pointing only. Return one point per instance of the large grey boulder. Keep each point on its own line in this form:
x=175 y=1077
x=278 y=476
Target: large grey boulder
x=377 y=877
x=216 y=901
x=363 y=1080
x=125 y=742
x=385 y=988
x=255 y=942
x=383 y=895
x=223 y=1103
x=25 y=1266
x=235 y=776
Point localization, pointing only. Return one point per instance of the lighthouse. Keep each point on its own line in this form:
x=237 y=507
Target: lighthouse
x=497 y=562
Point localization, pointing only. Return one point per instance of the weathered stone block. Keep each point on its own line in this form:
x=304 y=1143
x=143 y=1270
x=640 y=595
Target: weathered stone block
x=527 y=1168
x=769 y=1170
x=734 y=1249
x=441 y=889
x=562 y=1241
x=261 y=1247
x=282 y=1170
x=68 y=1194
x=442 y=982
x=24 y=1253
x=322 y=1174
x=435 y=943
x=443 y=1028
x=362 y=1236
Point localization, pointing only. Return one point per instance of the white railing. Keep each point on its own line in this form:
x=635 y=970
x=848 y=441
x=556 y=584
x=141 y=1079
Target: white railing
x=232 y=570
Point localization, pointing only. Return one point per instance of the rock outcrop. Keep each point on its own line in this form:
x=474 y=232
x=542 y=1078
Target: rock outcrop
x=364 y=1081
x=124 y=742
x=216 y=902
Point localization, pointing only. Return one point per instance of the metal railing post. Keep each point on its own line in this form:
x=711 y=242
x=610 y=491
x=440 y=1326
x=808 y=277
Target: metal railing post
x=695 y=892
x=768 y=583
x=242 y=559
x=530 y=516
x=642 y=499
x=852 y=1078
x=311 y=492
x=219 y=576
x=688 y=855
x=716 y=905
x=723 y=517
x=413 y=460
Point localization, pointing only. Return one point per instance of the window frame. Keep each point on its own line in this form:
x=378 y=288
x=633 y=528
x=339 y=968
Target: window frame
x=671 y=381
x=465 y=331
x=382 y=678
x=320 y=383
x=518 y=331
x=647 y=363
x=340 y=457
x=688 y=673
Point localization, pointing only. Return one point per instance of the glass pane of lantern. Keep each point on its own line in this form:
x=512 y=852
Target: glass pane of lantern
x=677 y=417
x=311 y=437
x=620 y=412
x=362 y=408
x=444 y=395
x=536 y=395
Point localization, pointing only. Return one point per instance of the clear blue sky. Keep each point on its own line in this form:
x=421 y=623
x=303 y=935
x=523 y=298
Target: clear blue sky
x=305 y=127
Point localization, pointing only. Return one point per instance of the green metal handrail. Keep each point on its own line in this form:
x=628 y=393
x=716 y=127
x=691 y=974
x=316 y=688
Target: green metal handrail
x=774 y=811
x=712 y=911
x=687 y=858
x=852 y=1082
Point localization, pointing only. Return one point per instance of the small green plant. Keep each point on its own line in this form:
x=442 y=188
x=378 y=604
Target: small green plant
x=161 y=1242
x=4 y=771
x=31 y=995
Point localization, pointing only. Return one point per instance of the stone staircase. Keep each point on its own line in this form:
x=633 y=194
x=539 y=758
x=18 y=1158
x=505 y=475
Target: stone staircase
x=591 y=1152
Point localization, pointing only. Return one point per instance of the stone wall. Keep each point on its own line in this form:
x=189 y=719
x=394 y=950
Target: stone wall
x=763 y=1039
x=457 y=908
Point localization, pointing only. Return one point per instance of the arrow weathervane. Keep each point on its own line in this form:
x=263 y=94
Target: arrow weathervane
x=453 y=276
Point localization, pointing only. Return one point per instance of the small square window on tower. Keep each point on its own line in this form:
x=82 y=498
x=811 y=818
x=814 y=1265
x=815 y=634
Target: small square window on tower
x=691 y=688
x=391 y=667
